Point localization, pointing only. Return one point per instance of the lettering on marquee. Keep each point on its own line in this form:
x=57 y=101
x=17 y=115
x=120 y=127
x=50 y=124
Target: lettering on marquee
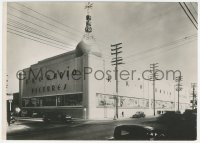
x=49 y=88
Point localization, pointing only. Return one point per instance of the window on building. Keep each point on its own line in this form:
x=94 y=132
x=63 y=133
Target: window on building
x=29 y=103
x=60 y=100
x=73 y=100
x=38 y=101
x=49 y=101
x=140 y=86
x=34 y=101
x=160 y=91
x=24 y=102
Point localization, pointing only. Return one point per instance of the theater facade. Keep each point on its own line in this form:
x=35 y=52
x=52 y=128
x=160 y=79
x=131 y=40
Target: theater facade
x=63 y=83
x=57 y=83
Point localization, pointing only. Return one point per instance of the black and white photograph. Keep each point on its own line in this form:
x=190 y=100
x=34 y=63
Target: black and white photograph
x=100 y=70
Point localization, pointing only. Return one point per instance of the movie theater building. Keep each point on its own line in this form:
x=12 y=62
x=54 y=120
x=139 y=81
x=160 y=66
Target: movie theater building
x=60 y=85
x=63 y=83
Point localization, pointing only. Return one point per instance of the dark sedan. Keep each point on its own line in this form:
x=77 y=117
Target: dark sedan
x=57 y=117
x=138 y=132
x=139 y=114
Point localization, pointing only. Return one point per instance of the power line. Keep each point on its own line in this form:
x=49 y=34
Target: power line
x=154 y=17
x=25 y=27
x=188 y=15
x=161 y=53
x=174 y=48
x=48 y=17
x=29 y=35
x=34 y=31
x=22 y=5
x=41 y=26
x=161 y=47
x=34 y=40
x=35 y=34
x=52 y=19
x=193 y=7
x=116 y=61
x=179 y=87
x=40 y=20
x=153 y=78
x=190 y=12
x=194 y=98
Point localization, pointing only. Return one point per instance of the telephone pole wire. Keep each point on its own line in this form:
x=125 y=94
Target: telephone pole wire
x=188 y=15
x=179 y=88
x=116 y=61
x=153 y=77
x=194 y=96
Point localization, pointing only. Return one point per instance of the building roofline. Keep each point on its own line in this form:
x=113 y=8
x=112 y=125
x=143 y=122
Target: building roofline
x=60 y=55
x=51 y=58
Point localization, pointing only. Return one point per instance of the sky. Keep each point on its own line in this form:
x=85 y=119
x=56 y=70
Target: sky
x=150 y=33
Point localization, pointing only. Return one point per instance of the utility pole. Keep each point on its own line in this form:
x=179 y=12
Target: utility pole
x=116 y=61
x=153 y=77
x=193 y=95
x=179 y=87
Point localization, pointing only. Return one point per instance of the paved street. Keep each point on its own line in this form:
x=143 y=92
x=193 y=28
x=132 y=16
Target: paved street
x=79 y=130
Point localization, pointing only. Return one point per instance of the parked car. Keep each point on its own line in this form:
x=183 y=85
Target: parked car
x=137 y=132
x=37 y=114
x=190 y=118
x=139 y=114
x=24 y=113
x=190 y=115
x=170 y=118
x=57 y=117
x=179 y=126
